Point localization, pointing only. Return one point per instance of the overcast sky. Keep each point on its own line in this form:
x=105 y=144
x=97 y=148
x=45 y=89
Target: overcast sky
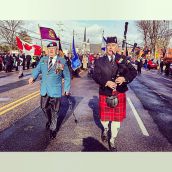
x=94 y=30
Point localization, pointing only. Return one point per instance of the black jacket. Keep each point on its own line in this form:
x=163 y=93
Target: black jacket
x=106 y=71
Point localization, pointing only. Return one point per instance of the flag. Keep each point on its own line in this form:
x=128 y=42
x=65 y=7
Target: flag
x=48 y=33
x=75 y=62
x=103 y=47
x=27 y=48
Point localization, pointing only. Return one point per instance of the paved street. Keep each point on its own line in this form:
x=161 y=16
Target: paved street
x=148 y=125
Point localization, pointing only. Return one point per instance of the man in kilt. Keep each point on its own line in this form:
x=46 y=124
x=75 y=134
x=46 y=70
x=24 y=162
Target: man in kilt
x=112 y=72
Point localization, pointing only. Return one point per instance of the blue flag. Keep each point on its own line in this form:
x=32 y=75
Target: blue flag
x=75 y=62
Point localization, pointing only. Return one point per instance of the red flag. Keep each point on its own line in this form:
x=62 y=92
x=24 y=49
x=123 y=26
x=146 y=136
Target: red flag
x=27 y=48
x=19 y=43
x=38 y=50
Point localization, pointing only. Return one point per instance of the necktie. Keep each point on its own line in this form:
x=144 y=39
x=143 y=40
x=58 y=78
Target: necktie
x=112 y=59
x=50 y=64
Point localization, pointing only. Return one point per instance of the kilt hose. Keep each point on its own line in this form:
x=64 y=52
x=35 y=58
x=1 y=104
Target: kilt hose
x=117 y=113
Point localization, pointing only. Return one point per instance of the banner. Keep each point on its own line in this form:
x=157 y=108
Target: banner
x=27 y=48
x=75 y=62
x=48 y=33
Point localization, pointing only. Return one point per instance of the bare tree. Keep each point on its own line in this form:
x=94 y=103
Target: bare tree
x=25 y=36
x=8 y=29
x=143 y=27
x=156 y=33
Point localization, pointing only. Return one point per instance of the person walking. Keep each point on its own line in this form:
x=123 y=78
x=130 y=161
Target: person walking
x=85 y=62
x=161 y=65
x=112 y=72
x=139 y=65
x=52 y=67
x=28 y=60
x=20 y=66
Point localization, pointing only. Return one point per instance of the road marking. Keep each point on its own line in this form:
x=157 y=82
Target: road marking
x=140 y=122
x=10 y=104
x=7 y=110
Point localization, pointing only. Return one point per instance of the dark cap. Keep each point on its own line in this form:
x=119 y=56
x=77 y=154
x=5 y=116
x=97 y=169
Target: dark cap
x=111 y=40
x=52 y=44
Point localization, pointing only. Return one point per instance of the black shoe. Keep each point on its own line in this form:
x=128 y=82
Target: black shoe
x=104 y=135
x=112 y=145
x=53 y=134
x=48 y=125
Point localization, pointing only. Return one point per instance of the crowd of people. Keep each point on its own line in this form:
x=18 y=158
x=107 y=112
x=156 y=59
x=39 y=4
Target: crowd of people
x=18 y=62
x=162 y=65
x=87 y=62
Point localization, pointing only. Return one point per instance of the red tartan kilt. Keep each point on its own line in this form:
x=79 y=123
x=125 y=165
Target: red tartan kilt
x=112 y=114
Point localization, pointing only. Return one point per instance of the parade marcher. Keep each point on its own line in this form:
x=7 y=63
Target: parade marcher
x=8 y=63
x=161 y=65
x=17 y=62
x=167 y=68
x=20 y=66
x=24 y=60
x=139 y=65
x=33 y=60
x=145 y=64
x=52 y=67
x=28 y=60
x=112 y=73
x=85 y=62
x=37 y=59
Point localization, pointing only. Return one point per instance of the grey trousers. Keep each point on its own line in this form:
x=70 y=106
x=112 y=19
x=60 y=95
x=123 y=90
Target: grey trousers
x=50 y=107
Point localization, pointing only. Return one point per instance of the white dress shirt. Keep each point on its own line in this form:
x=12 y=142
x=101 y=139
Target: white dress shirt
x=110 y=57
x=53 y=60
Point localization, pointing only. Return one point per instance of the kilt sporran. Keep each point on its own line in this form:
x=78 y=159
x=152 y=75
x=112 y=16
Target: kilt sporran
x=112 y=101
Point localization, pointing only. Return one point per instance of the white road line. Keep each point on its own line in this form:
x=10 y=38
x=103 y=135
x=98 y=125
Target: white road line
x=141 y=125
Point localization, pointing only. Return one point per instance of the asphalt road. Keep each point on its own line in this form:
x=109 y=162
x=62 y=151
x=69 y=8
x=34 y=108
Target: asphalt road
x=146 y=128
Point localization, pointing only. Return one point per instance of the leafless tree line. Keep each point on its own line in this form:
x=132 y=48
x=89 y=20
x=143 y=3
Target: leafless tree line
x=156 y=33
x=8 y=29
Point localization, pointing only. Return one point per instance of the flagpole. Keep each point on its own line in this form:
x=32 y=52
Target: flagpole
x=40 y=36
x=103 y=34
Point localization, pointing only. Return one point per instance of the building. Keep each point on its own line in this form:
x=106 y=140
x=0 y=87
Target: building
x=95 y=48
x=86 y=44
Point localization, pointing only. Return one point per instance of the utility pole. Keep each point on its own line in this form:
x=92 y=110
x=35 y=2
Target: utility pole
x=60 y=28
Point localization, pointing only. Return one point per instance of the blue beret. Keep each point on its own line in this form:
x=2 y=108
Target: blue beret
x=52 y=44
